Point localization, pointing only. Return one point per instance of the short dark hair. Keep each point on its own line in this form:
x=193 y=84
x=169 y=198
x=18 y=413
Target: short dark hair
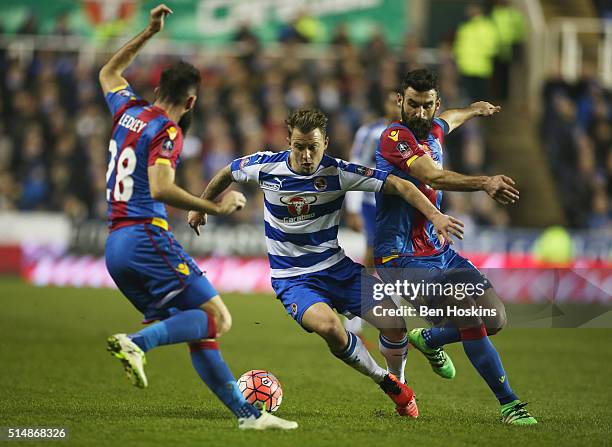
x=177 y=82
x=307 y=120
x=422 y=80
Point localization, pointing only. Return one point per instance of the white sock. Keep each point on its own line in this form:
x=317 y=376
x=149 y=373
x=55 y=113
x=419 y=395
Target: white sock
x=395 y=354
x=354 y=325
x=357 y=356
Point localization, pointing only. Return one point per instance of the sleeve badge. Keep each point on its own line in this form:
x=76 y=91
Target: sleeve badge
x=167 y=148
x=402 y=147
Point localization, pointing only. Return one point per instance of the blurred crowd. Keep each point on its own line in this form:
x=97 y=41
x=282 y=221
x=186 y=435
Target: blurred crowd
x=576 y=133
x=55 y=126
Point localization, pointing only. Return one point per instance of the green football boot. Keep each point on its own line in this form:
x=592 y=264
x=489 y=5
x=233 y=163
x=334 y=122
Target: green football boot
x=439 y=360
x=514 y=413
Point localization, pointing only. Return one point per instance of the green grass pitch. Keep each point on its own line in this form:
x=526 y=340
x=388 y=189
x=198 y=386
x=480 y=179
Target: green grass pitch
x=54 y=371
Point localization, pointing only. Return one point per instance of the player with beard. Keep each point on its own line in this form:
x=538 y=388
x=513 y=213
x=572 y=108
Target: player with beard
x=406 y=246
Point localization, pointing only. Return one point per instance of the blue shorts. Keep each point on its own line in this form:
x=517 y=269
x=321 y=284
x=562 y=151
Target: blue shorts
x=368 y=213
x=447 y=267
x=342 y=287
x=154 y=272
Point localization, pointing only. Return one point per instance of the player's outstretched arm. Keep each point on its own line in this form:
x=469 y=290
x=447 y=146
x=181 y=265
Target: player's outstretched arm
x=163 y=188
x=445 y=225
x=219 y=183
x=499 y=187
x=111 y=73
x=456 y=117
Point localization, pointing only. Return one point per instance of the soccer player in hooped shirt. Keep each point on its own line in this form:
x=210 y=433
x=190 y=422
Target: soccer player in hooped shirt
x=148 y=265
x=406 y=246
x=303 y=194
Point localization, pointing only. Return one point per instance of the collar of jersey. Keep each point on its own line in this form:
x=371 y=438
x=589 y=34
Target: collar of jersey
x=160 y=110
x=297 y=173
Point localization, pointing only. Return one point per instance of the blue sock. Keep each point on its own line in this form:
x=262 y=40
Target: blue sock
x=213 y=370
x=437 y=337
x=485 y=359
x=184 y=326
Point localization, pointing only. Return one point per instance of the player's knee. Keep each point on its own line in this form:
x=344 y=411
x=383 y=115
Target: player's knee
x=219 y=317
x=223 y=323
x=395 y=334
x=496 y=323
x=332 y=331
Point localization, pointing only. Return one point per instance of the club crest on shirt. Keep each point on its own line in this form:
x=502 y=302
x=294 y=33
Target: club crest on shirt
x=294 y=309
x=298 y=207
x=320 y=184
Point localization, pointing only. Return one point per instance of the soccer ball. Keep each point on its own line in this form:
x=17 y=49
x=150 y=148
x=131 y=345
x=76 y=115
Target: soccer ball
x=261 y=389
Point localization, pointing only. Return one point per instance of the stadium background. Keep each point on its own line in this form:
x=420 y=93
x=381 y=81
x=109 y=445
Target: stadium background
x=551 y=72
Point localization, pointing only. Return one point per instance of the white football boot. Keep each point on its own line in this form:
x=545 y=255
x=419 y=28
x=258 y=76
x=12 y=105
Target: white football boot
x=264 y=422
x=132 y=357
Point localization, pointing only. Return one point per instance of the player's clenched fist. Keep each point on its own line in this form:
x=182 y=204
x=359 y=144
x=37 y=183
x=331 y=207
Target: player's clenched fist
x=231 y=202
x=501 y=189
x=484 y=108
x=156 y=18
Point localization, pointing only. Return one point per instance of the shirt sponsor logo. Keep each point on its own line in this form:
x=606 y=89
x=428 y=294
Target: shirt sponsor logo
x=298 y=207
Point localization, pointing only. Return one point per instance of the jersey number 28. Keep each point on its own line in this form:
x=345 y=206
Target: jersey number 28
x=124 y=183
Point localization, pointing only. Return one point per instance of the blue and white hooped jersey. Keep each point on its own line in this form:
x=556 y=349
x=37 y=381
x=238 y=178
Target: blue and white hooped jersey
x=363 y=151
x=302 y=212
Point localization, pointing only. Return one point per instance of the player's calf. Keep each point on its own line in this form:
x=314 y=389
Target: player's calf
x=321 y=319
x=393 y=341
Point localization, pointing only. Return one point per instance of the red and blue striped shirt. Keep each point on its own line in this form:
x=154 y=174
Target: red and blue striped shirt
x=142 y=136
